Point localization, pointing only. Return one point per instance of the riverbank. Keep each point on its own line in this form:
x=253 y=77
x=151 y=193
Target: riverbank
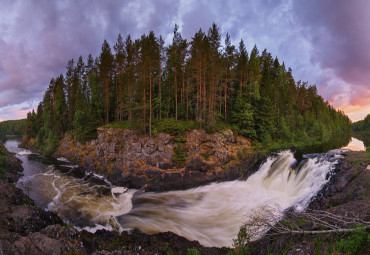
x=27 y=229
x=162 y=162
x=347 y=194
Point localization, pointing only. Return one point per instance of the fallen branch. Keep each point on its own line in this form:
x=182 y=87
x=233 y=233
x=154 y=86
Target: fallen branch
x=273 y=221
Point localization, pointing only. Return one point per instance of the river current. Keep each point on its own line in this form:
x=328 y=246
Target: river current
x=211 y=214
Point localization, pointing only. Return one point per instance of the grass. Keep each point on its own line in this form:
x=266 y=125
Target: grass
x=368 y=152
x=170 y=126
x=174 y=127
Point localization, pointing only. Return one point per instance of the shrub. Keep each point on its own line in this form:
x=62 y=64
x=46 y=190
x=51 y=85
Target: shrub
x=179 y=154
x=193 y=251
x=172 y=126
x=352 y=244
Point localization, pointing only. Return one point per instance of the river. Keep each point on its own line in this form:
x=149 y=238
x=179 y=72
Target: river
x=211 y=214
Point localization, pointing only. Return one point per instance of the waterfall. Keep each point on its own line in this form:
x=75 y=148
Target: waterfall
x=213 y=214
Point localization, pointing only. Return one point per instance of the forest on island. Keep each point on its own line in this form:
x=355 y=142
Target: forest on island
x=141 y=83
x=12 y=127
x=361 y=130
x=362 y=125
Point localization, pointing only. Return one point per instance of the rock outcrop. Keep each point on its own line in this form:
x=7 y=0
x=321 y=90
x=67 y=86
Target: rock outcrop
x=162 y=162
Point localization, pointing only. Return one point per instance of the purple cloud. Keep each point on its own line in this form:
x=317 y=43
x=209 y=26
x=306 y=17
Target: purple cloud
x=325 y=42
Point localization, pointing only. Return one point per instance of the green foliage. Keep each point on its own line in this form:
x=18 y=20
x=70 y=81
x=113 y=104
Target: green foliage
x=143 y=85
x=362 y=125
x=118 y=124
x=193 y=251
x=173 y=126
x=240 y=243
x=180 y=140
x=352 y=243
x=179 y=156
x=368 y=152
x=12 y=127
x=243 y=118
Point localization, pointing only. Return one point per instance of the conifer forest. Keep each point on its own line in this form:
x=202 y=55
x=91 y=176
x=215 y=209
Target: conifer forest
x=206 y=80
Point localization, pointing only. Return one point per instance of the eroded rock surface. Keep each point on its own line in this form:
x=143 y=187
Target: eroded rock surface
x=132 y=160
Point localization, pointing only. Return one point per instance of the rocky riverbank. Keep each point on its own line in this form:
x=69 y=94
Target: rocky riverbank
x=163 y=162
x=27 y=229
x=346 y=195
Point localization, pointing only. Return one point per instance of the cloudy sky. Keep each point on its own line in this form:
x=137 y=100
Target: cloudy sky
x=326 y=42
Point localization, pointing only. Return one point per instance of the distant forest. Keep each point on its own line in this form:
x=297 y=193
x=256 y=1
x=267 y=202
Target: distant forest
x=362 y=125
x=12 y=127
x=142 y=81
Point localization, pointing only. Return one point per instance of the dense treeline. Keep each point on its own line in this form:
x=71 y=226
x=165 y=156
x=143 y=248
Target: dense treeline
x=362 y=131
x=362 y=125
x=142 y=81
x=12 y=127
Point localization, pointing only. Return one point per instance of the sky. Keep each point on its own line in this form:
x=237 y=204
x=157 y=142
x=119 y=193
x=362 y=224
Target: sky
x=325 y=42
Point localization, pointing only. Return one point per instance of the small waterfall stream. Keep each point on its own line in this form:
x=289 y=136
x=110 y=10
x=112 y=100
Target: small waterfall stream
x=211 y=214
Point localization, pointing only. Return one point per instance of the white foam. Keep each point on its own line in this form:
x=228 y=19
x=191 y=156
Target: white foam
x=118 y=190
x=71 y=166
x=213 y=214
x=95 y=228
x=25 y=152
x=63 y=159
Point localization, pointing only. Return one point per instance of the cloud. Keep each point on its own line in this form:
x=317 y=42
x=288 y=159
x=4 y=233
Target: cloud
x=338 y=33
x=39 y=37
x=325 y=42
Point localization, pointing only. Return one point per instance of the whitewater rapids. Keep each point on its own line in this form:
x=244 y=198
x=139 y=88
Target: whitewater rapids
x=213 y=214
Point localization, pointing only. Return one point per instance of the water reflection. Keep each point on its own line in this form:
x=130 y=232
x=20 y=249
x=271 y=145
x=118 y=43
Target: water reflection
x=355 y=145
x=335 y=142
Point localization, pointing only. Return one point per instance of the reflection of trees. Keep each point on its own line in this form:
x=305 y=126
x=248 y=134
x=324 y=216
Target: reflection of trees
x=363 y=136
x=335 y=142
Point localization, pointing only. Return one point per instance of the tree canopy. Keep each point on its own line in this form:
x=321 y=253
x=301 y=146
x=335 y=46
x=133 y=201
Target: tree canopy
x=141 y=81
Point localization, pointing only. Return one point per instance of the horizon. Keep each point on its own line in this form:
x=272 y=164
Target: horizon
x=323 y=42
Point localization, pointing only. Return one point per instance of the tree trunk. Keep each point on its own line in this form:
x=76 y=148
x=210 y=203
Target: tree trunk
x=107 y=100
x=160 y=91
x=175 y=93
x=150 y=100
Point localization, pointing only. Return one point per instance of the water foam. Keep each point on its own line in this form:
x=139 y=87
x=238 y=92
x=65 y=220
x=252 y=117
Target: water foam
x=213 y=214
x=25 y=152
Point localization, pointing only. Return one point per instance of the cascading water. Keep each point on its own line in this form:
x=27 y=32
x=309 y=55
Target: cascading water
x=211 y=214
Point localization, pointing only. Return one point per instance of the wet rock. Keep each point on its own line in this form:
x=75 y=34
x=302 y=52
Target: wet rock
x=153 y=174
x=197 y=164
x=150 y=147
x=194 y=164
x=89 y=162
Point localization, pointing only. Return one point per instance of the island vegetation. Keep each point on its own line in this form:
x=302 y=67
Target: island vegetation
x=12 y=127
x=207 y=83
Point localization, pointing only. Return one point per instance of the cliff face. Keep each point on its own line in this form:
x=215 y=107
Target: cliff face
x=161 y=162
